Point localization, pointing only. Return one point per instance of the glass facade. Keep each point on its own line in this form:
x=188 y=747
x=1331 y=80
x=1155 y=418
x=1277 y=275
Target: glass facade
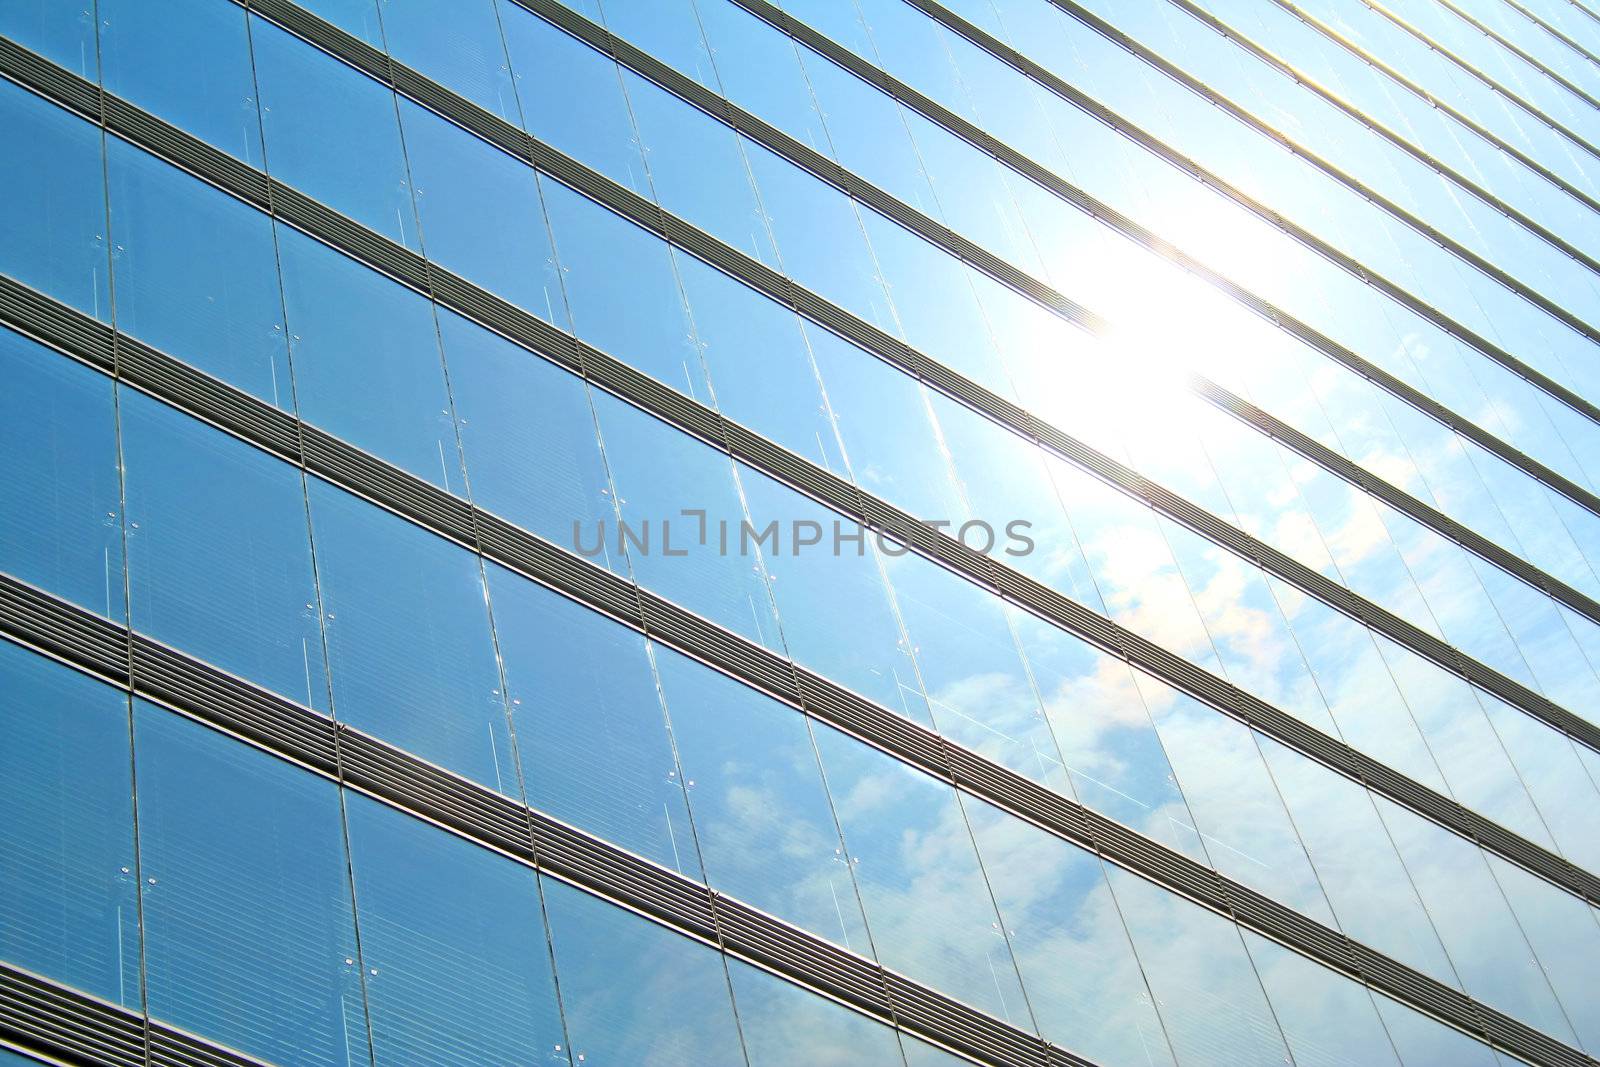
x=749 y=532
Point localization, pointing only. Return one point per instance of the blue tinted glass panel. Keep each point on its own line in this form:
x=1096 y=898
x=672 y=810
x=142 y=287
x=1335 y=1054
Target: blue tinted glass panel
x=787 y=1026
x=219 y=559
x=480 y=214
x=60 y=512
x=331 y=132
x=366 y=360
x=922 y=887
x=457 y=45
x=409 y=646
x=529 y=437
x=61 y=32
x=622 y=290
x=187 y=61
x=249 y=931
x=593 y=743
x=554 y=69
x=660 y=473
x=67 y=884
x=634 y=992
x=453 y=946
x=761 y=813
x=197 y=274
x=53 y=211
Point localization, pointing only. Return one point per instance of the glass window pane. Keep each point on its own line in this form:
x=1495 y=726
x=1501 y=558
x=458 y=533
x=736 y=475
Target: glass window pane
x=366 y=360
x=1083 y=981
x=53 y=209
x=457 y=45
x=453 y=945
x=787 y=1026
x=660 y=473
x=635 y=992
x=61 y=32
x=1205 y=988
x=622 y=290
x=409 y=647
x=554 y=69
x=480 y=214
x=59 y=500
x=67 y=884
x=249 y=931
x=927 y=903
x=761 y=814
x=331 y=132
x=197 y=274
x=528 y=436
x=219 y=555
x=1327 y=1018
x=186 y=61
x=590 y=733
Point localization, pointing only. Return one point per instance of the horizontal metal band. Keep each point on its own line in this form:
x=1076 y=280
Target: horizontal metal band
x=42 y=1016
x=710 y=426
x=159 y=374
x=342 y=753
x=1521 y=53
x=272 y=722
x=1499 y=90
x=1345 y=262
x=1443 y=106
x=338 y=751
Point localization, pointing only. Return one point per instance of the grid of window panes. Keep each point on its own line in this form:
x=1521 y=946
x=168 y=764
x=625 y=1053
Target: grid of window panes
x=158 y=864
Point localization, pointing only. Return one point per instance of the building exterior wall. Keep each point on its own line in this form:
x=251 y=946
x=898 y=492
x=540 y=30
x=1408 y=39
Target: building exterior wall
x=858 y=531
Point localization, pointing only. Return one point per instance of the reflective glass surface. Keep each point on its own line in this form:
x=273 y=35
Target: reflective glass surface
x=547 y=198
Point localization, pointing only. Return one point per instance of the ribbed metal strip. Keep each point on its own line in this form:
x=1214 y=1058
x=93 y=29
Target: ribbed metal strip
x=61 y=1022
x=167 y=675
x=1494 y=86
x=479 y=813
x=170 y=1047
x=918 y=1008
x=88 y=641
x=756 y=935
x=1521 y=53
x=1393 y=290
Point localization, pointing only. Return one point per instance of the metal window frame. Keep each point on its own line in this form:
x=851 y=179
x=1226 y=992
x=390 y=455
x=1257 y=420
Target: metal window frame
x=154 y=670
x=281 y=433
x=1521 y=53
